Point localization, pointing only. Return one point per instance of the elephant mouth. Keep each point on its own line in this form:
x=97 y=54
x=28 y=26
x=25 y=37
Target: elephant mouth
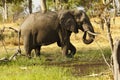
x=91 y=37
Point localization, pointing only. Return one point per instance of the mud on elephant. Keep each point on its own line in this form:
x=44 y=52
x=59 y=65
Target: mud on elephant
x=43 y=29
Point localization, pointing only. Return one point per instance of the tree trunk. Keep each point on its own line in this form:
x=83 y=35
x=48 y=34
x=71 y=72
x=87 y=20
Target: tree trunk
x=115 y=49
x=103 y=1
x=115 y=10
x=43 y=6
x=108 y=25
x=30 y=6
x=116 y=59
x=4 y=10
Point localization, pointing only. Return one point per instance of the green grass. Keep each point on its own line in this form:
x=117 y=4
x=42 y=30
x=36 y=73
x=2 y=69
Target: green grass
x=53 y=66
x=38 y=72
x=33 y=73
x=15 y=72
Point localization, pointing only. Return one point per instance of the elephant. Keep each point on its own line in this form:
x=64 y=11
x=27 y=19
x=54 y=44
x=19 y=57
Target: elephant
x=84 y=25
x=41 y=29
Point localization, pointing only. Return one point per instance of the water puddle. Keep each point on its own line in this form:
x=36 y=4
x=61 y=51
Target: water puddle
x=88 y=69
x=82 y=68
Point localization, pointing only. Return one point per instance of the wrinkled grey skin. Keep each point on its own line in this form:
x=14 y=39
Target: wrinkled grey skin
x=84 y=25
x=43 y=29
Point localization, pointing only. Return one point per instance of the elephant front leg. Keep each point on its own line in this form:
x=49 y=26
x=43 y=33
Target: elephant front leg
x=72 y=50
x=65 y=50
x=68 y=50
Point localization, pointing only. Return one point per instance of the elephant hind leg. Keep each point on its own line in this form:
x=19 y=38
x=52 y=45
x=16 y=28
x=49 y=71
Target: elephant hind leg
x=37 y=50
x=28 y=53
x=28 y=45
x=27 y=49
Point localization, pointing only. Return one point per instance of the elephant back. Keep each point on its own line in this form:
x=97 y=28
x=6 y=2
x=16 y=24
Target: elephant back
x=41 y=21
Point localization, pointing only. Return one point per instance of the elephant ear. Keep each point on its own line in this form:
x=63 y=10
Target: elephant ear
x=67 y=21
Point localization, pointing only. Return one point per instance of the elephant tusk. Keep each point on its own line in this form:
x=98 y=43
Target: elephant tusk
x=92 y=33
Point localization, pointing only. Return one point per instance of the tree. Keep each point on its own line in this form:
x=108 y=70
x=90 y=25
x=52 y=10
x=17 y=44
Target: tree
x=30 y=6
x=15 y=10
x=60 y=4
x=4 y=10
x=43 y=6
x=4 y=5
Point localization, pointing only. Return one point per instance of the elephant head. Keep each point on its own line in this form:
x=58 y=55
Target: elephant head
x=67 y=25
x=85 y=25
x=67 y=21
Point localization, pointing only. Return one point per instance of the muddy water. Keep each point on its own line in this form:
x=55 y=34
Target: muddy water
x=82 y=68
x=88 y=69
x=77 y=66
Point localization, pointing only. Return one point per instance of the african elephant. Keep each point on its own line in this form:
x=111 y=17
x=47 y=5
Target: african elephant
x=41 y=29
x=44 y=29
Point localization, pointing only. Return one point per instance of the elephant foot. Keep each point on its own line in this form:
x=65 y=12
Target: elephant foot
x=29 y=56
x=70 y=55
x=37 y=51
x=38 y=55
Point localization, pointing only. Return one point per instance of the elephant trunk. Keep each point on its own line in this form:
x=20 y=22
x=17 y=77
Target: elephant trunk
x=88 y=30
x=90 y=40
